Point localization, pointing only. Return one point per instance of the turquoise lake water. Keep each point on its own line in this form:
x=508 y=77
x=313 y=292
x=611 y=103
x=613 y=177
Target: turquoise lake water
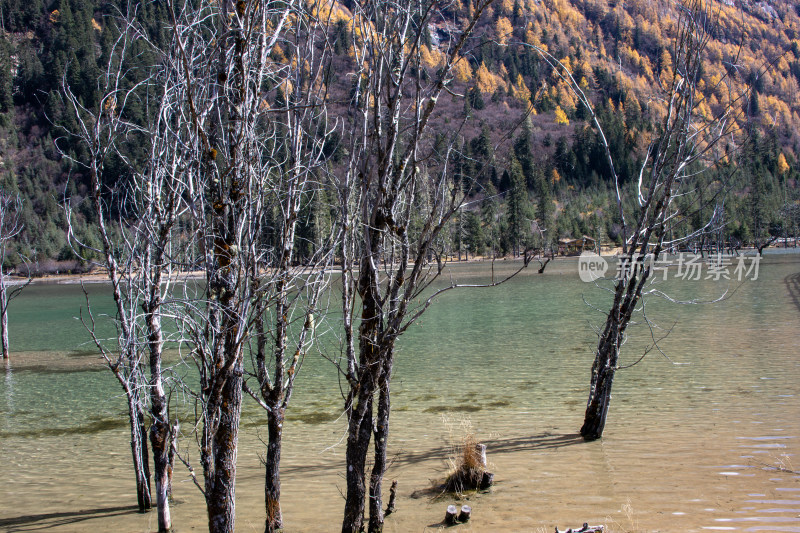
x=702 y=437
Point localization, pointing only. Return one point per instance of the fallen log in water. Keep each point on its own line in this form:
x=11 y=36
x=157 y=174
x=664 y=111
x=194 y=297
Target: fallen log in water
x=586 y=528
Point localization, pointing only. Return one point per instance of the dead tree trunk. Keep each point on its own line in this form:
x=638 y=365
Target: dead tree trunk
x=687 y=142
x=375 y=358
x=136 y=253
x=160 y=438
x=10 y=227
x=141 y=461
x=359 y=432
x=272 y=481
x=248 y=162
x=223 y=369
x=381 y=439
x=162 y=446
x=221 y=449
x=603 y=370
x=360 y=405
x=3 y=314
x=388 y=173
x=628 y=293
x=599 y=398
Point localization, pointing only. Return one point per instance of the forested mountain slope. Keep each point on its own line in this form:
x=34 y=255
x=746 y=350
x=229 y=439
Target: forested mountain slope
x=550 y=168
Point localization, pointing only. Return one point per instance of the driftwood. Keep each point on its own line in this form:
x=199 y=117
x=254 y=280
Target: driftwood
x=586 y=528
x=481 y=450
x=392 y=497
x=450 y=516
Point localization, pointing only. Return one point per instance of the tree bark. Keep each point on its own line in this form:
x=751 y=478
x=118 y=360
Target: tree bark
x=600 y=396
x=381 y=433
x=220 y=481
x=272 y=484
x=160 y=428
x=141 y=461
x=626 y=295
x=173 y=446
x=160 y=441
x=4 y=319
x=358 y=437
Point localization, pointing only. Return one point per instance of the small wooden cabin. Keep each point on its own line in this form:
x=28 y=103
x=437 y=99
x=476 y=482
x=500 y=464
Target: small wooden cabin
x=576 y=246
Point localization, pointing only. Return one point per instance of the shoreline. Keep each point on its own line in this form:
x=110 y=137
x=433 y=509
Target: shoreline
x=99 y=275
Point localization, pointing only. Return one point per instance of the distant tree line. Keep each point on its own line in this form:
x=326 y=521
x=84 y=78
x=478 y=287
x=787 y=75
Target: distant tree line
x=562 y=183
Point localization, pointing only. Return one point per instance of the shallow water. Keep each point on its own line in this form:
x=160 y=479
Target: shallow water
x=704 y=440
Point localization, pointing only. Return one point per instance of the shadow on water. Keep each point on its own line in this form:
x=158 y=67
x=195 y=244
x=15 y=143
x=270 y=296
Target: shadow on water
x=84 y=352
x=538 y=442
x=44 y=369
x=792 y=282
x=545 y=441
x=95 y=426
x=52 y=520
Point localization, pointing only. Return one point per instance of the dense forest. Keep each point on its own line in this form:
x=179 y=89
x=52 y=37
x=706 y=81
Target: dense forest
x=548 y=174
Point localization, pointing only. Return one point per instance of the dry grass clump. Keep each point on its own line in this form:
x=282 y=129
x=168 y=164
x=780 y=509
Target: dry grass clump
x=466 y=472
x=466 y=463
x=631 y=524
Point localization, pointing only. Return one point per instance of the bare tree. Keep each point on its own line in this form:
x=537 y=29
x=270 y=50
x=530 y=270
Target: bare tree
x=238 y=172
x=396 y=176
x=126 y=359
x=10 y=226
x=293 y=175
x=251 y=160
x=139 y=242
x=669 y=190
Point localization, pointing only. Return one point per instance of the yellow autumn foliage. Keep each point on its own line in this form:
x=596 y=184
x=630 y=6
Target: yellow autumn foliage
x=783 y=166
x=277 y=54
x=566 y=98
x=461 y=70
x=431 y=58
x=487 y=82
x=520 y=90
x=561 y=117
x=503 y=30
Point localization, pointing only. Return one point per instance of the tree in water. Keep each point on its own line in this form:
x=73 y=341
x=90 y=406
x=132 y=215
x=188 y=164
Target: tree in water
x=292 y=267
x=685 y=147
x=254 y=169
x=138 y=224
x=10 y=226
x=666 y=192
x=395 y=199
